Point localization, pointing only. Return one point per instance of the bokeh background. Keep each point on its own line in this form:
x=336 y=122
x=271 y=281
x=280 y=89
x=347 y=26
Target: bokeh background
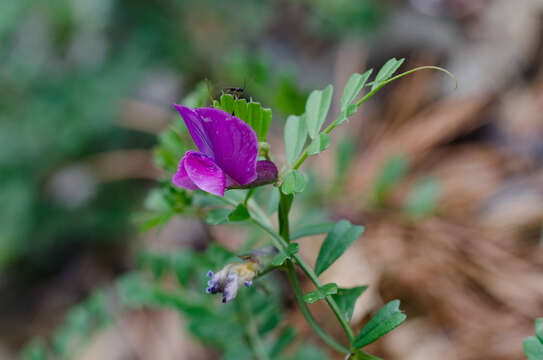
x=448 y=182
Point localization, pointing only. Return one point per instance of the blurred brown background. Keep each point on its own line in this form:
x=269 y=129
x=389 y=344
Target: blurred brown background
x=87 y=85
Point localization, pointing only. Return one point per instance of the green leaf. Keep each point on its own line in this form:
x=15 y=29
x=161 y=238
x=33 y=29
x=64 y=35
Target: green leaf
x=280 y=258
x=312 y=229
x=533 y=348
x=386 y=72
x=316 y=109
x=422 y=200
x=347 y=113
x=227 y=103
x=320 y=293
x=539 y=329
x=240 y=109
x=294 y=182
x=387 y=319
x=240 y=213
x=273 y=202
x=360 y=355
x=265 y=123
x=295 y=136
x=335 y=244
x=155 y=221
x=254 y=115
x=319 y=144
x=346 y=299
x=352 y=88
x=217 y=216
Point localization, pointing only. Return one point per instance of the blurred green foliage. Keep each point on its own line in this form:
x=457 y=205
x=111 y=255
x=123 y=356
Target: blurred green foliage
x=65 y=69
x=239 y=330
x=67 y=65
x=345 y=16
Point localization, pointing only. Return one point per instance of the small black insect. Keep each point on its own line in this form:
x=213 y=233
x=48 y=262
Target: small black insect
x=236 y=92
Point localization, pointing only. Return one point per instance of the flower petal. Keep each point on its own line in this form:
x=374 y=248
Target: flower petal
x=234 y=144
x=205 y=173
x=266 y=172
x=196 y=128
x=181 y=178
x=231 y=287
x=231 y=143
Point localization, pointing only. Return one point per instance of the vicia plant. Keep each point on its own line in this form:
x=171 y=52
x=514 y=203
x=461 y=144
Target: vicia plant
x=233 y=154
x=225 y=180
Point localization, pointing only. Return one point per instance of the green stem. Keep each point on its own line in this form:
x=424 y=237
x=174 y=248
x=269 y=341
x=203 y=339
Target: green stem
x=285 y=202
x=281 y=243
x=329 y=299
x=301 y=160
x=291 y=273
x=248 y=196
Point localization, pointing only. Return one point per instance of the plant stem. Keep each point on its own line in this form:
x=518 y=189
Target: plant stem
x=301 y=160
x=291 y=273
x=248 y=196
x=285 y=203
x=329 y=299
x=282 y=244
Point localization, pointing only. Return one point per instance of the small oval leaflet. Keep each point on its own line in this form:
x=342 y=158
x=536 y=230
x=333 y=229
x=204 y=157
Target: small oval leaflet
x=320 y=293
x=386 y=319
x=294 y=182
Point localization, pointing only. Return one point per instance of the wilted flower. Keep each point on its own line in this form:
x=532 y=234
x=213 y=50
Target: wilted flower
x=228 y=153
x=231 y=277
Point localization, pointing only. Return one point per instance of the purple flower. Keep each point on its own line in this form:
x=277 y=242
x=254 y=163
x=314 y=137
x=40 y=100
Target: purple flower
x=228 y=153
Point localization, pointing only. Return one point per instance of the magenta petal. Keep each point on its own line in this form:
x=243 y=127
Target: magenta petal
x=196 y=128
x=231 y=143
x=266 y=172
x=181 y=178
x=234 y=144
x=205 y=173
